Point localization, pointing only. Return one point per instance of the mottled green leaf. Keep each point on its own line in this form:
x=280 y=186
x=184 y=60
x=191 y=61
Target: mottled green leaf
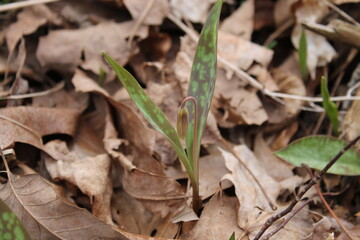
x=203 y=76
x=317 y=151
x=302 y=51
x=10 y=226
x=330 y=107
x=151 y=111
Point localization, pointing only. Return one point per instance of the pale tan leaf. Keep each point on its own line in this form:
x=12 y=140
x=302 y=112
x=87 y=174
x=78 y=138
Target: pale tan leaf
x=67 y=46
x=156 y=14
x=185 y=9
x=244 y=15
x=28 y=21
x=46 y=216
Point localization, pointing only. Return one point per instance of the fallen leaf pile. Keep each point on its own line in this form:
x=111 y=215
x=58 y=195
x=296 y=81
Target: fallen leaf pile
x=87 y=164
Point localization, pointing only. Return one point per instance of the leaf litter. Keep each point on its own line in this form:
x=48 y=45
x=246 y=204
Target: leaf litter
x=120 y=178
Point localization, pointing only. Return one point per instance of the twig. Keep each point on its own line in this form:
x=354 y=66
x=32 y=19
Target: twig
x=252 y=81
x=273 y=206
x=140 y=21
x=279 y=31
x=22 y=4
x=341 y=12
x=307 y=168
x=313 y=181
x=56 y=88
x=282 y=225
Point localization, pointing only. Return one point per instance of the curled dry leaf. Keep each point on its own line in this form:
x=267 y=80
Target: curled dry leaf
x=156 y=14
x=91 y=174
x=28 y=21
x=68 y=46
x=350 y=125
x=46 y=216
x=244 y=15
x=29 y=124
x=254 y=209
x=218 y=220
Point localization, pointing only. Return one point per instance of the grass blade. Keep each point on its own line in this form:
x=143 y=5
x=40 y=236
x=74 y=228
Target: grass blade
x=150 y=110
x=330 y=107
x=203 y=76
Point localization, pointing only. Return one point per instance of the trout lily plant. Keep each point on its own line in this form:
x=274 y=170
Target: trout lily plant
x=194 y=109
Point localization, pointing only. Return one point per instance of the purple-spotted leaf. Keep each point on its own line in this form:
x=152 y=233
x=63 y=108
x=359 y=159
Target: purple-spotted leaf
x=317 y=151
x=151 y=111
x=203 y=76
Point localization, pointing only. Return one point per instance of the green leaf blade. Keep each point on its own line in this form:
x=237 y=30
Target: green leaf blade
x=317 y=151
x=330 y=107
x=203 y=76
x=150 y=111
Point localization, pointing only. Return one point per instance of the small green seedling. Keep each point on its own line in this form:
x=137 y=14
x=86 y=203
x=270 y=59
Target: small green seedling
x=194 y=109
x=330 y=107
x=302 y=51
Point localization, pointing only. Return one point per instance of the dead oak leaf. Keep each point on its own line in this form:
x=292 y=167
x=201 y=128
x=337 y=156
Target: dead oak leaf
x=29 y=124
x=63 y=50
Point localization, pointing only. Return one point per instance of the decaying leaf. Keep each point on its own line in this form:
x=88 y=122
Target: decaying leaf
x=185 y=9
x=46 y=216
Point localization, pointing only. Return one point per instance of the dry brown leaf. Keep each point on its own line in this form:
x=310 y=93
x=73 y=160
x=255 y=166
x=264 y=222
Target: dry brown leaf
x=212 y=169
x=28 y=21
x=241 y=52
x=46 y=216
x=344 y=1
x=29 y=124
x=155 y=16
x=254 y=209
x=91 y=174
x=266 y=158
x=218 y=220
x=133 y=217
x=350 y=125
x=282 y=11
x=185 y=9
x=236 y=105
x=240 y=22
x=68 y=46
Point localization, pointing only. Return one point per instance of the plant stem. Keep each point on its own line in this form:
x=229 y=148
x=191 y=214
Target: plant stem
x=195 y=183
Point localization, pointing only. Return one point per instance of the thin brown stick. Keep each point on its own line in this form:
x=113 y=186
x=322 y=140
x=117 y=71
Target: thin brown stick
x=56 y=88
x=22 y=4
x=273 y=206
x=307 y=168
x=282 y=28
x=140 y=21
x=313 y=181
x=282 y=225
